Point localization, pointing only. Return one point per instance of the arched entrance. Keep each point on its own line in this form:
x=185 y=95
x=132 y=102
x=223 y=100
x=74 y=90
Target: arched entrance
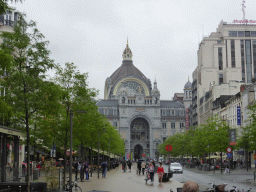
x=138 y=150
x=140 y=141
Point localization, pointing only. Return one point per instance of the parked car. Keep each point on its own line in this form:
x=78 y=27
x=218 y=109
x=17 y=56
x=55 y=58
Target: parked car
x=176 y=168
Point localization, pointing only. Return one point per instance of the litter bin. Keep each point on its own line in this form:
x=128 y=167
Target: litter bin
x=35 y=174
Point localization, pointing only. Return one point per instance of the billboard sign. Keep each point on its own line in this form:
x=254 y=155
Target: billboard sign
x=232 y=137
x=238 y=115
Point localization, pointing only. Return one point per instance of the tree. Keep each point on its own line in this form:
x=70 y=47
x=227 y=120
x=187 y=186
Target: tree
x=4 y=5
x=29 y=61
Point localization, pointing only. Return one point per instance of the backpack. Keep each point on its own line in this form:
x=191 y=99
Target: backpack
x=23 y=165
x=103 y=165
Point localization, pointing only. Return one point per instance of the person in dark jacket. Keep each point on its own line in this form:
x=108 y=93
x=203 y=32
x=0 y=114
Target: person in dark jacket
x=139 y=167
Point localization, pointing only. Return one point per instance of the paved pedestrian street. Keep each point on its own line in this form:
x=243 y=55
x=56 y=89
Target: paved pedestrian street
x=116 y=181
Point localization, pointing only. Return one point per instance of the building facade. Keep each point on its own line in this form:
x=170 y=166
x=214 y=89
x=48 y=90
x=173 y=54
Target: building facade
x=229 y=54
x=136 y=110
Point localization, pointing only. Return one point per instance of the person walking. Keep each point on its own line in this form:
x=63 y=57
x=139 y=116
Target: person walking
x=151 y=172
x=23 y=166
x=139 y=166
x=76 y=169
x=227 y=168
x=143 y=166
x=124 y=165
x=103 y=169
x=129 y=165
x=38 y=166
x=160 y=172
x=86 y=170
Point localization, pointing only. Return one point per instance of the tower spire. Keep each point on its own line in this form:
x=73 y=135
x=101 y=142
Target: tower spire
x=127 y=54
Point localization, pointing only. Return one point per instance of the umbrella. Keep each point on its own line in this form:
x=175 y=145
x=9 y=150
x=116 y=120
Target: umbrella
x=60 y=159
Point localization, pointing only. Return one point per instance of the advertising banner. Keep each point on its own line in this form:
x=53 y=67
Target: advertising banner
x=238 y=115
x=232 y=137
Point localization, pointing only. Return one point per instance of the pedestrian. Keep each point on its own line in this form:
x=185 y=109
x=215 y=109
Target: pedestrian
x=151 y=169
x=139 y=166
x=76 y=169
x=103 y=169
x=23 y=166
x=227 y=168
x=86 y=170
x=80 y=168
x=160 y=172
x=129 y=165
x=38 y=166
x=124 y=166
x=143 y=166
x=190 y=186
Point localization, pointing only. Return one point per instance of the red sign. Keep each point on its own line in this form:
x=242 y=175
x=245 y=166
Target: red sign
x=229 y=150
x=168 y=148
x=143 y=155
x=244 y=21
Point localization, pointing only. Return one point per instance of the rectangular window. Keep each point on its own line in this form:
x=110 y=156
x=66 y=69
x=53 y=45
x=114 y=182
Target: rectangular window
x=143 y=135
x=248 y=61
x=115 y=124
x=164 y=139
x=254 y=57
x=233 y=57
x=164 y=125
x=110 y=112
x=147 y=145
x=181 y=125
x=247 y=33
x=101 y=111
x=106 y=112
x=242 y=60
x=172 y=125
x=133 y=136
x=232 y=33
x=173 y=113
x=220 y=58
x=218 y=42
x=253 y=33
x=220 y=78
x=240 y=33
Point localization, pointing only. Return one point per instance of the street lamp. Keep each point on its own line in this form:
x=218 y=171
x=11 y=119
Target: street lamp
x=70 y=150
x=99 y=152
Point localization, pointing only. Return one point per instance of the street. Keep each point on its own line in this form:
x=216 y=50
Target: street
x=117 y=180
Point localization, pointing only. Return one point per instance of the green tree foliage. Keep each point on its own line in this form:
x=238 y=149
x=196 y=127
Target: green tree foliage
x=199 y=141
x=4 y=5
x=27 y=60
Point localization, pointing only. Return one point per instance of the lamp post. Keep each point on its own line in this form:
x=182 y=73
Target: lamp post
x=70 y=150
x=99 y=152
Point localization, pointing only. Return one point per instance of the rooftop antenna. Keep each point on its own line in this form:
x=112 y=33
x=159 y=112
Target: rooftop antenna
x=243 y=9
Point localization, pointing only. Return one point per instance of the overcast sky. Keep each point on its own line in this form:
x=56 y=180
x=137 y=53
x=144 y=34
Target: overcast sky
x=163 y=34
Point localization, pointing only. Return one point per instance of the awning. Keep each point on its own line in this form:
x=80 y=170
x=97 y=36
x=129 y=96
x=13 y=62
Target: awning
x=41 y=152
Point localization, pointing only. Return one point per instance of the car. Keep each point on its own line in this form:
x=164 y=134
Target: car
x=176 y=168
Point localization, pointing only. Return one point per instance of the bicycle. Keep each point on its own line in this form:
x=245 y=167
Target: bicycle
x=238 y=190
x=73 y=185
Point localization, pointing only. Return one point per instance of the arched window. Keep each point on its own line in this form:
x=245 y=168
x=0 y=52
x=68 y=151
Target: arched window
x=123 y=100
x=156 y=100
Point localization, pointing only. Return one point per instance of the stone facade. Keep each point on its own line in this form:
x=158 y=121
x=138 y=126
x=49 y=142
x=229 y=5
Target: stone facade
x=135 y=109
